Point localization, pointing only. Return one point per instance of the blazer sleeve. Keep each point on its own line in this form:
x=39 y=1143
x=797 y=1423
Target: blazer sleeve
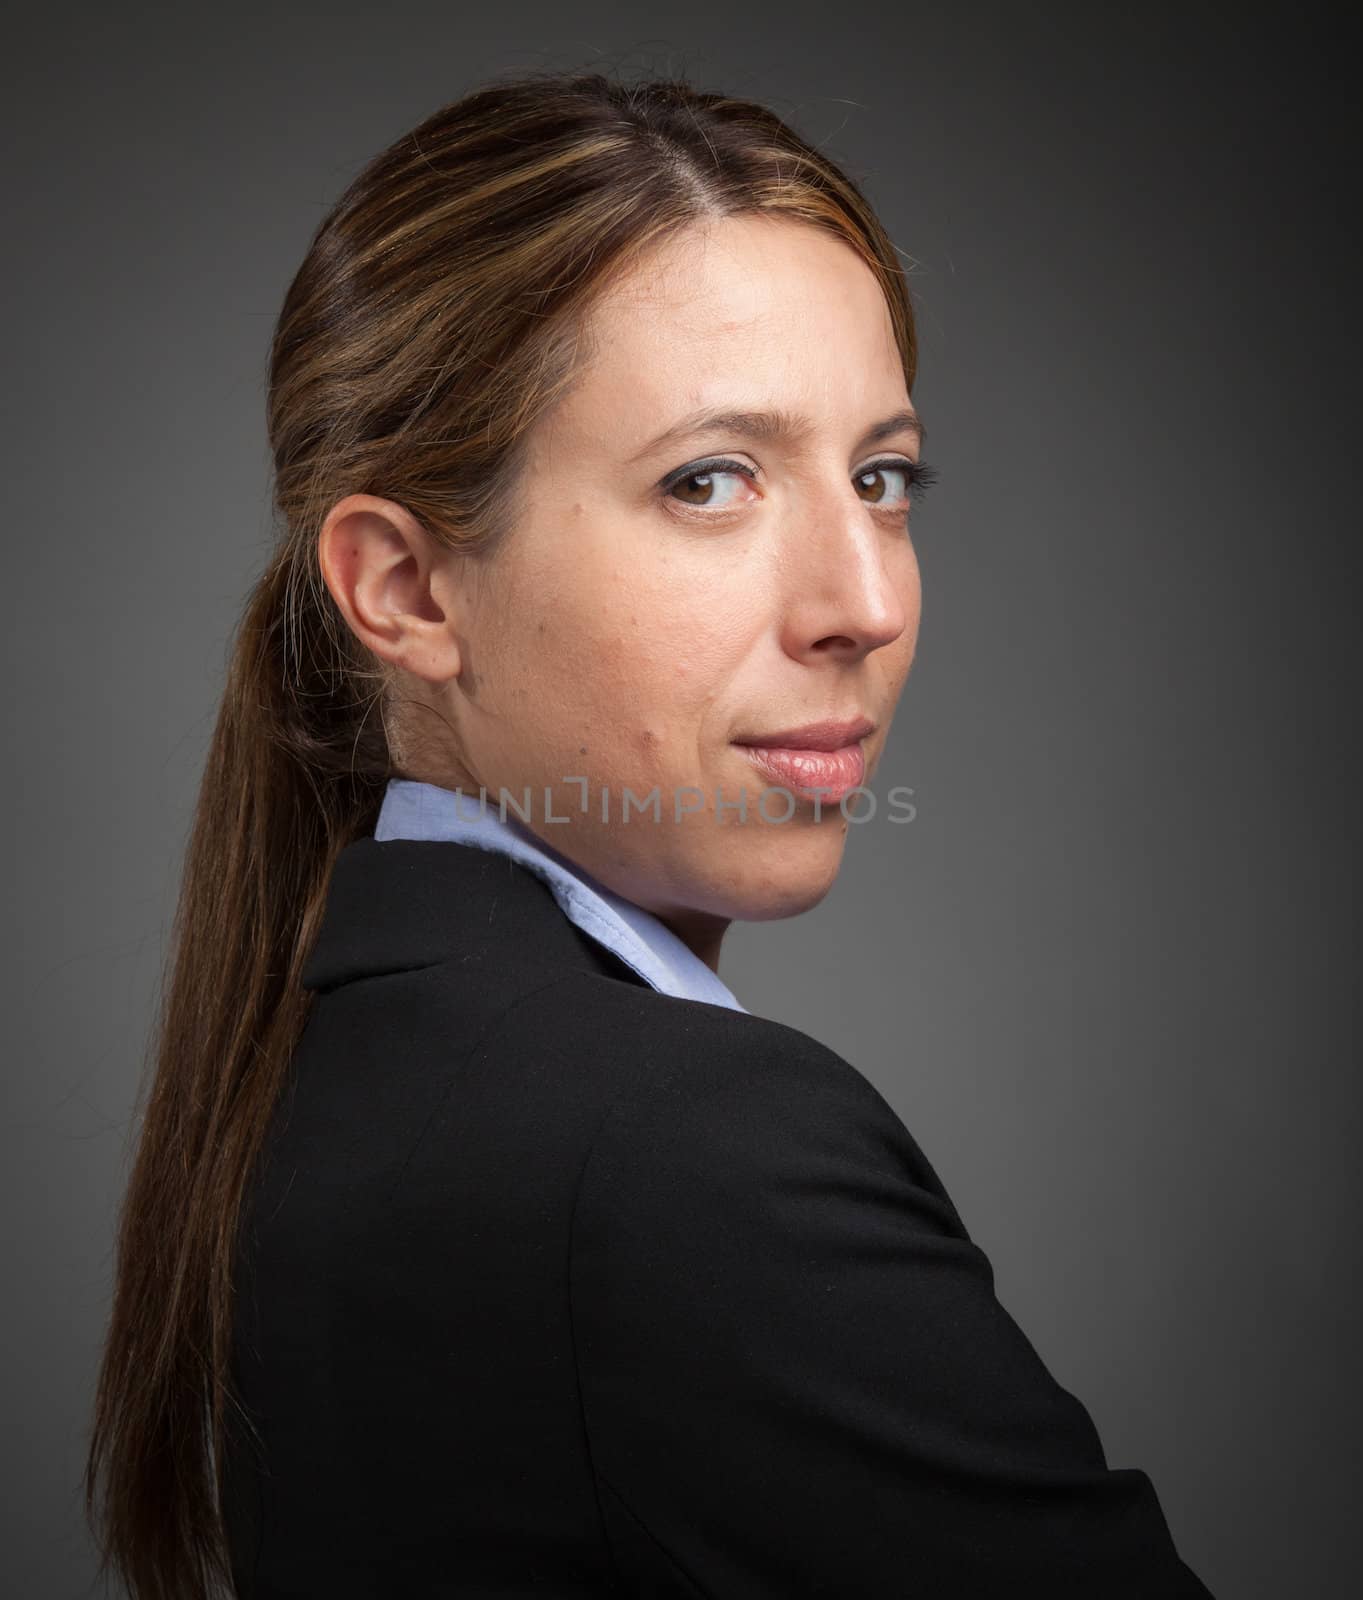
x=795 y=1374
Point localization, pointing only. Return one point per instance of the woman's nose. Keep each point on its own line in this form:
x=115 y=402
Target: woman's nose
x=847 y=580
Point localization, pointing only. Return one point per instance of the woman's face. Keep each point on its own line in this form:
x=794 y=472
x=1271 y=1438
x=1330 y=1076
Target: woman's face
x=642 y=617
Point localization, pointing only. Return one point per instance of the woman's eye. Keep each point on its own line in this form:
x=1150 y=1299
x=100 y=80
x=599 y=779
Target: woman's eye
x=704 y=485
x=913 y=477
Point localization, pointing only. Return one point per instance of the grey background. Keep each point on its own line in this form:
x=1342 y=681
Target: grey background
x=1106 y=974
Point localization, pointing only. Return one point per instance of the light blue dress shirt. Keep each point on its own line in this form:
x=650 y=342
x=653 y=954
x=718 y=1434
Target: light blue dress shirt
x=413 y=810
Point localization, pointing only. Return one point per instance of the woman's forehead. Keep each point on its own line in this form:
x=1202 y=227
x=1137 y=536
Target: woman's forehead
x=742 y=341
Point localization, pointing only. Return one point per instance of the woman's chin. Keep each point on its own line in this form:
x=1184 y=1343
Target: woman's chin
x=782 y=873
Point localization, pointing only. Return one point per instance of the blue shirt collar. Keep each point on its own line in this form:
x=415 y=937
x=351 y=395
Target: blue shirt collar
x=413 y=810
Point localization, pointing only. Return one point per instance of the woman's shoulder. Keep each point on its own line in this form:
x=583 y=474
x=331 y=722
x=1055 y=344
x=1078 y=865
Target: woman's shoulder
x=650 y=1096
x=795 y=1372
x=722 y=1095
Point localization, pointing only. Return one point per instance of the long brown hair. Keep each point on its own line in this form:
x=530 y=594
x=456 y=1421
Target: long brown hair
x=437 y=314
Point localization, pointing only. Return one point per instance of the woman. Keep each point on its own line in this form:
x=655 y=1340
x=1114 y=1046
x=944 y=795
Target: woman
x=479 y=1242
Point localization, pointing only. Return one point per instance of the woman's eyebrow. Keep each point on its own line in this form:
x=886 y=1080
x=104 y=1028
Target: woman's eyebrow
x=760 y=425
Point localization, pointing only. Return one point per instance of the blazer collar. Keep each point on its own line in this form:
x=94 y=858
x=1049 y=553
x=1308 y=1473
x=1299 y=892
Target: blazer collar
x=415 y=810
x=401 y=903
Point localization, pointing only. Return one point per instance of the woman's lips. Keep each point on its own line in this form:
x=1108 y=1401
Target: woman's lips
x=834 y=773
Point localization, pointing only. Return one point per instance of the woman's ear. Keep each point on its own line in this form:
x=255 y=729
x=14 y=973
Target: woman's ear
x=391 y=582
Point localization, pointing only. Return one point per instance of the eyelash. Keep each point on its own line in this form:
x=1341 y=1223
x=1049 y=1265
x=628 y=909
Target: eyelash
x=919 y=477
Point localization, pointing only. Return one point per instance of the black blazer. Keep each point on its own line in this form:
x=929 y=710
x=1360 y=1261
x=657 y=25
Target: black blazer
x=554 y=1285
